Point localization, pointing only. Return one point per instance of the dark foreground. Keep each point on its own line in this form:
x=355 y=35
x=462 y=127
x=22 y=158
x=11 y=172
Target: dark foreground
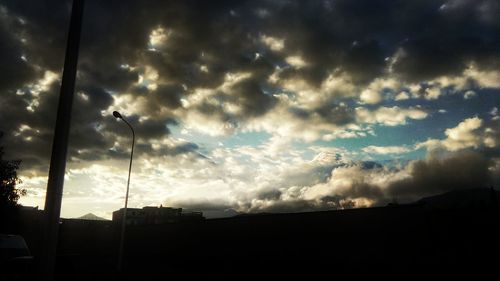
x=401 y=242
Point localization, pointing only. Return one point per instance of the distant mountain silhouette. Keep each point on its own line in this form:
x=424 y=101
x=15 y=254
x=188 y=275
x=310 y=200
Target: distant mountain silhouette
x=463 y=198
x=91 y=217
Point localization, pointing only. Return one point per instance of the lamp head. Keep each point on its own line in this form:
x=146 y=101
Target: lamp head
x=117 y=114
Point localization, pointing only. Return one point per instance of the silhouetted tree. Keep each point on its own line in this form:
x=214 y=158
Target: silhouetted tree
x=9 y=193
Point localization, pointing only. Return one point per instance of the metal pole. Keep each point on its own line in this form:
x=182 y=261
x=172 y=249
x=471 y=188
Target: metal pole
x=60 y=145
x=124 y=219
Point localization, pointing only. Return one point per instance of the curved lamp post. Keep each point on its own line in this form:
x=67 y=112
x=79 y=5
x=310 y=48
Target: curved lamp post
x=124 y=219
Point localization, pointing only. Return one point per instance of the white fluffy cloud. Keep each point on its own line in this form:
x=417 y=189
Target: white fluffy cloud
x=389 y=116
x=275 y=44
x=470 y=133
x=296 y=61
x=469 y=94
x=402 y=96
x=370 y=96
x=386 y=149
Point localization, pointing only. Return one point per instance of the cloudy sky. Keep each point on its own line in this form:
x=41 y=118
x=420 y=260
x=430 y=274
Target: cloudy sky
x=256 y=106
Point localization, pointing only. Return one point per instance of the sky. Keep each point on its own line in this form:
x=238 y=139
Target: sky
x=256 y=106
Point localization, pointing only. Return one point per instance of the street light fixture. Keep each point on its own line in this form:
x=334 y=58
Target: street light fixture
x=124 y=219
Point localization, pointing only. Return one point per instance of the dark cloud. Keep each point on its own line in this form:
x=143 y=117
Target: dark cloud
x=300 y=113
x=217 y=112
x=115 y=77
x=292 y=206
x=365 y=59
x=43 y=27
x=14 y=71
x=354 y=36
x=336 y=114
x=148 y=150
x=269 y=195
x=301 y=205
x=434 y=176
x=184 y=148
x=144 y=129
x=10 y=105
x=424 y=58
x=249 y=96
x=169 y=96
x=29 y=134
x=337 y=202
x=33 y=143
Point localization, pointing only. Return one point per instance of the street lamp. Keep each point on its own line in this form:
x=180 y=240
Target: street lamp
x=124 y=219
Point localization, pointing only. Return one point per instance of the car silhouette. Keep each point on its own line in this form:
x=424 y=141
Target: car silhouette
x=16 y=261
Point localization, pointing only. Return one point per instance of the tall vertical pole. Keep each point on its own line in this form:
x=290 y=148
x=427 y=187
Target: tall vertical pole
x=124 y=218
x=60 y=145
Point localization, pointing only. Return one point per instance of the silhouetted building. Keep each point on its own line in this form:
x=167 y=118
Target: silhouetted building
x=29 y=213
x=85 y=225
x=29 y=209
x=192 y=216
x=155 y=215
